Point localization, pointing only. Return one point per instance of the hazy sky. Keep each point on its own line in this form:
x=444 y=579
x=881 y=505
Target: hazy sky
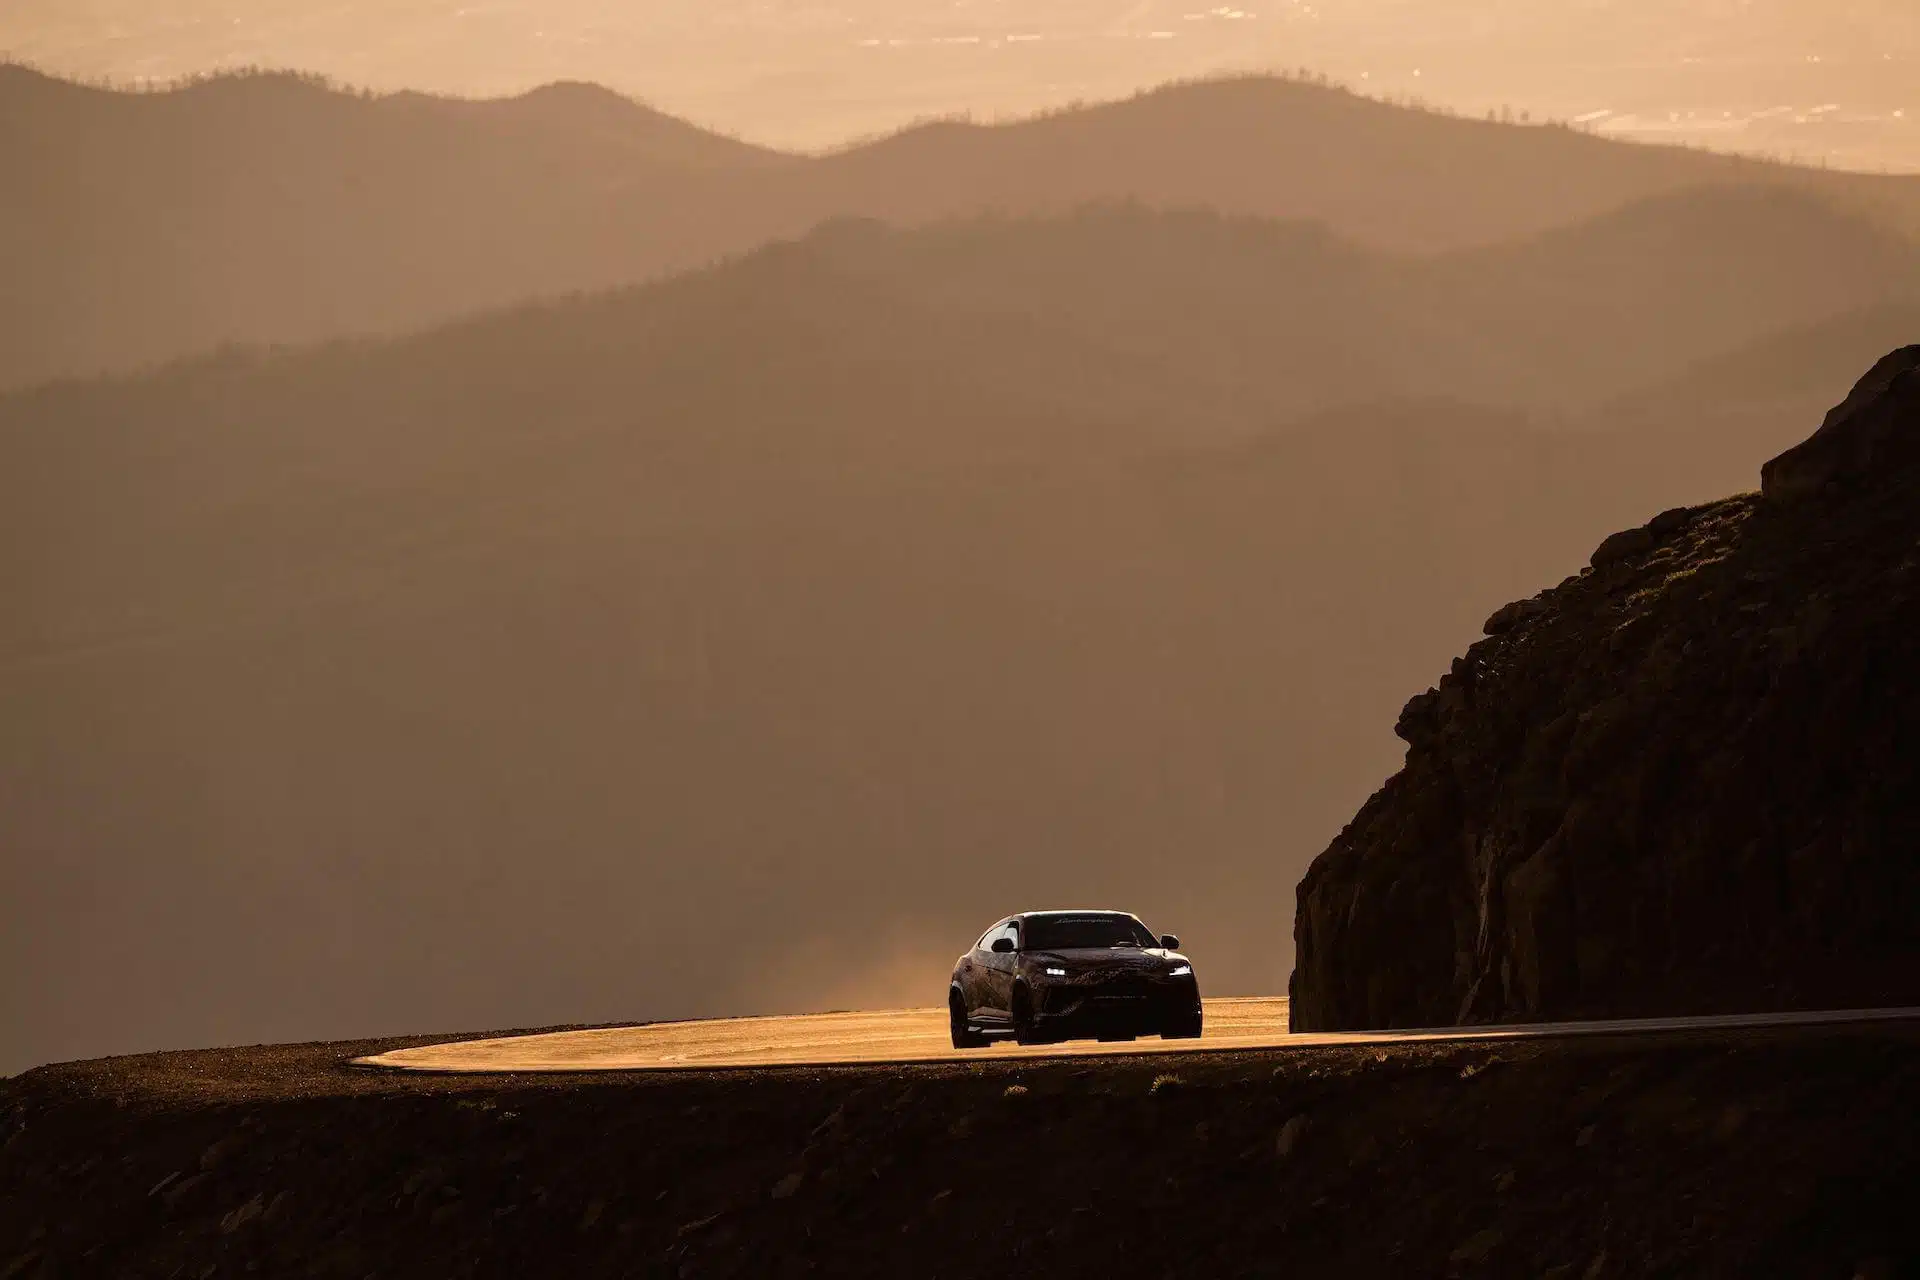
x=1819 y=79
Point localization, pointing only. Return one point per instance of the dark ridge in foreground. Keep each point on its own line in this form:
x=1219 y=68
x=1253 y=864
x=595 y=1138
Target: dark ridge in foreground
x=1686 y=780
x=1784 y=1153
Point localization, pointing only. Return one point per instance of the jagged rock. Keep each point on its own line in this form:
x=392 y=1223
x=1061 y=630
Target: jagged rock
x=1624 y=545
x=1509 y=617
x=1419 y=720
x=1687 y=781
x=1875 y=427
x=179 y=1191
x=241 y=1216
x=220 y=1152
x=834 y=1126
x=1290 y=1135
x=1478 y=1246
x=1669 y=522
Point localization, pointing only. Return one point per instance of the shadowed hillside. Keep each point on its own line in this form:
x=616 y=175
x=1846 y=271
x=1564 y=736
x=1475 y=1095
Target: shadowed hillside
x=862 y=356
x=479 y=677
x=273 y=209
x=1783 y=1153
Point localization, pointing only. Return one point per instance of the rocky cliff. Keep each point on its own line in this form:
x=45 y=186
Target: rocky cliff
x=1685 y=780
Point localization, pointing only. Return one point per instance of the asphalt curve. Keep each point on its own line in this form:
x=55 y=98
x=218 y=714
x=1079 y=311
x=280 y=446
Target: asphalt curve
x=905 y=1036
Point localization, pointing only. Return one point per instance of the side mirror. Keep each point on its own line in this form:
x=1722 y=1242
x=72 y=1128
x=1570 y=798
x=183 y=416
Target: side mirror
x=1003 y=945
x=1170 y=942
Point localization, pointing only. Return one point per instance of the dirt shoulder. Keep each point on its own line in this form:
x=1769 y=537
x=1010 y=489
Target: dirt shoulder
x=1779 y=1152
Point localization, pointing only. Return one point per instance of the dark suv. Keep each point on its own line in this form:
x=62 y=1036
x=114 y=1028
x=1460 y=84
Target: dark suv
x=1044 y=976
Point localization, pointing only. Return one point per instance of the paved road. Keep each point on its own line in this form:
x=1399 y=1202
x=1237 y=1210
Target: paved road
x=920 y=1035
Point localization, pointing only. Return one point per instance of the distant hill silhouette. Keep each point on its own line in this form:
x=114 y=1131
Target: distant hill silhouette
x=142 y=227
x=1385 y=175
x=1766 y=392
x=482 y=675
x=1798 y=365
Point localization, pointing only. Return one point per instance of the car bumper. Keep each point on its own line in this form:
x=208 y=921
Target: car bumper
x=1069 y=1012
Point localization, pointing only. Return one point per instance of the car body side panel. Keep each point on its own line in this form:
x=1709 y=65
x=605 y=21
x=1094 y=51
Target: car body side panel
x=974 y=971
x=996 y=980
x=963 y=980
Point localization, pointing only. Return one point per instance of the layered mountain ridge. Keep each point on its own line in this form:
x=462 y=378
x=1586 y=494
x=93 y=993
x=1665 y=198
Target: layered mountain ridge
x=776 y=591
x=144 y=227
x=1057 y=537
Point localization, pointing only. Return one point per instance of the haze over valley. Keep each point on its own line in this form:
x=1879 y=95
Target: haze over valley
x=489 y=675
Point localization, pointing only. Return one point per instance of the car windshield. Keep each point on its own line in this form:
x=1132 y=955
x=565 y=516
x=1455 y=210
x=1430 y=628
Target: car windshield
x=1065 y=933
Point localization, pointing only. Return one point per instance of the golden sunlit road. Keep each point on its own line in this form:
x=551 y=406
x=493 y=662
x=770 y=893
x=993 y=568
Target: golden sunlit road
x=904 y=1036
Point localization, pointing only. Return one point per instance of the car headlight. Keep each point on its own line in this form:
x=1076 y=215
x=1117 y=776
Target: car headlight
x=1055 y=971
x=1180 y=971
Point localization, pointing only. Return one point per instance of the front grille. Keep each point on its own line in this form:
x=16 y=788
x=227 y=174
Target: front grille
x=1112 y=975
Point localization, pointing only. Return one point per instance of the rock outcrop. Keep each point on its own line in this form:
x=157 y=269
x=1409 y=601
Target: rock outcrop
x=1686 y=780
x=1869 y=434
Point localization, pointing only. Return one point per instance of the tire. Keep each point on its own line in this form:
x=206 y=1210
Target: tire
x=1023 y=1032
x=964 y=1037
x=1187 y=1028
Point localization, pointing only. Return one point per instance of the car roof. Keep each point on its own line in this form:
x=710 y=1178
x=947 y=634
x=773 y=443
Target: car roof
x=1070 y=911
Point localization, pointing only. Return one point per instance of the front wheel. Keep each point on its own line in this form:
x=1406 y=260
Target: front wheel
x=964 y=1037
x=1186 y=1028
x=1023 y=1029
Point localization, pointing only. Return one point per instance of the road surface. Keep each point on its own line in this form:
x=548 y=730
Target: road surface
x=904 y=1036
